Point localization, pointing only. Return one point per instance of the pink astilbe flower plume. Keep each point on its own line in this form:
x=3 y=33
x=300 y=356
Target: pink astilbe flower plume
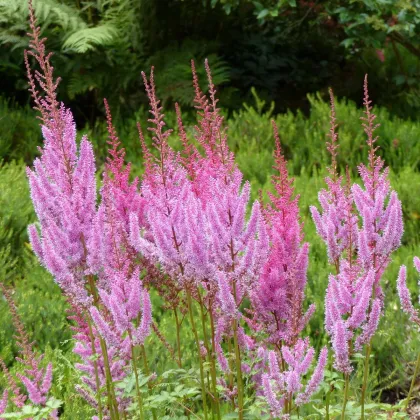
x=404 y=293
x=129 y=313
x=78 y=243
x=281 y=387
x=278 y=299
x=62 y=183
x=4 y=401
x=361 y=226
x=337 y=225
x=36 y=379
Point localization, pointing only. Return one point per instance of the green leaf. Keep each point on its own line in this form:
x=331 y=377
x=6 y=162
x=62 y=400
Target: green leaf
x=88 y=39
x=262 y=14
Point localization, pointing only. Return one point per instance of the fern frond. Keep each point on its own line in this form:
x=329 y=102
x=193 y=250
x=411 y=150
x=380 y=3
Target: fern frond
x=78 y=85
x=88 y=39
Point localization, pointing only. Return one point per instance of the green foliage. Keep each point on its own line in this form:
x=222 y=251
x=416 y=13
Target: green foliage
x=20 y=135
x=303 y=138
x=14 y=195
x=173 y=70
x=88 y=39
x=34 y=412
x=284 y=48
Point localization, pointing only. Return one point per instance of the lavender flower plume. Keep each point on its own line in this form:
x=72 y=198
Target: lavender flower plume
x=315 y=380
x=279 y=386
x=404 y=293
x=361 y=226
x=4 y=401
x=62 y=182
x=36 y=379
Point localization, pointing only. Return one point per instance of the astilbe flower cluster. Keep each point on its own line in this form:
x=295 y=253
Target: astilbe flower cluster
x=182 y=229
x=37 y=380
x=196 y=226
x=414 y=314
x=361 y=226
x=279 y=296
x=200 y=239
x=83 y=246
x=404 y=293
x=278 y=299
x=283 y=386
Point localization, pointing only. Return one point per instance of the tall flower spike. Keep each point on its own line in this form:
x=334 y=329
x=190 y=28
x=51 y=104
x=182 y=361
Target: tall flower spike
x=281 y=388
x=278 y=299
x=404 y=293
x=37 y=380
x=361 y=226
x=4 y=401
x=333 y=144
x=62 y=183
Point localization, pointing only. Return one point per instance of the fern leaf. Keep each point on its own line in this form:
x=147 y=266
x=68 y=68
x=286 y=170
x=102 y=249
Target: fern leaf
x=89 y=38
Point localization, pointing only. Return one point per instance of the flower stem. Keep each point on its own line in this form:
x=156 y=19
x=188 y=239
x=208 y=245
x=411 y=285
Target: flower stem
x=238 y=370
x=210 y=356
x=109 y=382
x=147 y=372
x=413 y=381
x=178 y=337
x=136 y=375
x=365 y=379
x=112 y=401
x=95 y=366
x=197 y=342
x=327 y=405
x=346 y=395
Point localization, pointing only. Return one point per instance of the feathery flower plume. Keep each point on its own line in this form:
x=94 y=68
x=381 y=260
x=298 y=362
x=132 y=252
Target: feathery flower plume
x=67 y=238
x=361 y=226
x=36 y=380
x=278 y=299
x=62 y=183
x=404 y=293
x=282 y=388
x=4 y=401
x=408 y=308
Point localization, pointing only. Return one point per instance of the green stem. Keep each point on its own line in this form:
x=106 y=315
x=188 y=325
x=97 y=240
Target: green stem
x=109 y=382
x=238 y=371
x=413 y=381
x=327 y=405
x=147 y=372
x=365 y=378
x=346 y=392
x=95 y=366
x=229 y=341
x=136 y=375
x=112 y=401
x=197 y=342
x=210 y=355
x=178 y=337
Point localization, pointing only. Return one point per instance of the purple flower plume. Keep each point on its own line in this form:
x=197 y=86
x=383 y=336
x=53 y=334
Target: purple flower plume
x=279 y=386
x=361 y=226
x=404 y=293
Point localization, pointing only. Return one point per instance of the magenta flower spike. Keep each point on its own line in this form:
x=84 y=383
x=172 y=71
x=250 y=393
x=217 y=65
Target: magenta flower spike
x=280 y=292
